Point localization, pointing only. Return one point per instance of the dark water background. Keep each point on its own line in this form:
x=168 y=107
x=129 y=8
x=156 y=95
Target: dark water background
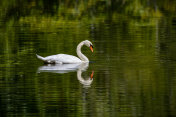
x=134 y=59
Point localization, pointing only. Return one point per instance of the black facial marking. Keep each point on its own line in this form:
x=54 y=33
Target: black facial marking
x=91 y=45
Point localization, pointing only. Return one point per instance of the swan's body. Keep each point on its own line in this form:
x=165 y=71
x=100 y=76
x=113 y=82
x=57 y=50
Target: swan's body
x=60 y=58
x=65 y=58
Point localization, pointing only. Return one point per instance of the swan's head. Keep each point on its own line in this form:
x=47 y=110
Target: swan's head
x=88 y=44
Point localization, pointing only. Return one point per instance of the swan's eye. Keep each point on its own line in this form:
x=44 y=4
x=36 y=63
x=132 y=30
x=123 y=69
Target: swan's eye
x=91 y=45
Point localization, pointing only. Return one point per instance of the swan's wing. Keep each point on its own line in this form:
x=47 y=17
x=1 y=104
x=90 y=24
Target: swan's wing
x=62 y=58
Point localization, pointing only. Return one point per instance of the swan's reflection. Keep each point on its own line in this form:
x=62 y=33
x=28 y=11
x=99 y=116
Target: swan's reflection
x=65 y=68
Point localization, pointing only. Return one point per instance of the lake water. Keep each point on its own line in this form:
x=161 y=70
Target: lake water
x=133 y=63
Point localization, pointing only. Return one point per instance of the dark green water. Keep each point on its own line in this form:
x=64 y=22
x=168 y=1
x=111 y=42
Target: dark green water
x=134 y=58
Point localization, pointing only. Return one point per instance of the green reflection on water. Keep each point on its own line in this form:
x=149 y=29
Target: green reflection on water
x=134 y=60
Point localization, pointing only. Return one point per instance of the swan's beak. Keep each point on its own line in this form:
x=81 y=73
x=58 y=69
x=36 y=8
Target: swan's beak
x=91 y=76
x=91 y=48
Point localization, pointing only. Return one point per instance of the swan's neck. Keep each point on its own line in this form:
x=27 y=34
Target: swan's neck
x=79 y=53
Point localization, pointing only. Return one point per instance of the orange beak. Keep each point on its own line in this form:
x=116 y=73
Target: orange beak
x=91 y=48
x=91 y=76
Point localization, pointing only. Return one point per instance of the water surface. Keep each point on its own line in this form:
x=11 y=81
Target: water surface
x=133 y=63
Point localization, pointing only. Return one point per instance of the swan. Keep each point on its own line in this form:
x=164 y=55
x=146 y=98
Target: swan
x=65 y=58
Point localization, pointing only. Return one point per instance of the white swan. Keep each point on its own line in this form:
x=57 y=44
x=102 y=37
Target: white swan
x=65 y=58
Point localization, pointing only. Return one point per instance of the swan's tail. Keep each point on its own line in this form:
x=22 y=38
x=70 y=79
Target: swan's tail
x=40 y=57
